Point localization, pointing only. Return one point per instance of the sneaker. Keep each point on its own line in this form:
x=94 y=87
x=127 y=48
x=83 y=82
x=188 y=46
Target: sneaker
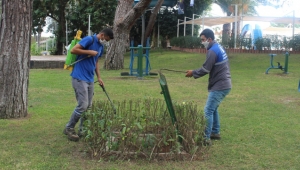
x=215 y=136
x=71 y=134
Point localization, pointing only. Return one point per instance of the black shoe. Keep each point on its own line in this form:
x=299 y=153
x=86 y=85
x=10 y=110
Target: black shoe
x=70 y=132
x=215 y=136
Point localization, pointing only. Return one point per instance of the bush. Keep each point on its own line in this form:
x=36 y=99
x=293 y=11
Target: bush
x=186 y=42
x=142 y=128
x=34 y=50
x=276 y=42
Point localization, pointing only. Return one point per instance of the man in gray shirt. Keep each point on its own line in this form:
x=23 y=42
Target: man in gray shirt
x=219 y=83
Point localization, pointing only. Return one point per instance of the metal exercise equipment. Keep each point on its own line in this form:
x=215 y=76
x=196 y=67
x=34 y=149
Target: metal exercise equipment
x=285 y=68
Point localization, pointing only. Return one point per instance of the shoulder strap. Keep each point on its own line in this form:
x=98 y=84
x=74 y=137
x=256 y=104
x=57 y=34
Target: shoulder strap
x=87 y=46
x=92 y=41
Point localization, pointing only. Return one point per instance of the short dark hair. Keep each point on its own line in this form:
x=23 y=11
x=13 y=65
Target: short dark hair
x=208 y=33
x=108 y=32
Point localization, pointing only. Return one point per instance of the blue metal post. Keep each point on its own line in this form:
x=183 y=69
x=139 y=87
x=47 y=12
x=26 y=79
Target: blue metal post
x=286 y=62
x=131 y=58
x=271 y=62
x=140 y=62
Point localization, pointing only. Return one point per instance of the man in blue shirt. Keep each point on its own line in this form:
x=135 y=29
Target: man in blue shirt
x=91 y=48
x=219 y=82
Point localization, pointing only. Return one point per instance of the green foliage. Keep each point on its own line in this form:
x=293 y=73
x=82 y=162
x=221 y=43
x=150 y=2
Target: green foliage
x=34 y=50
x=186 y=42
x=38 y=16
x=76 y=13
x=259 y=43
x=168 y=19
x=246 y=42
x=101 y=12
x=142 y=127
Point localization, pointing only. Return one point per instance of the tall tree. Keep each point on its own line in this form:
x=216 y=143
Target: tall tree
x=15 y=38
x=56 y=9
x=101 y=14
x=152 y=20
x=76 y=14
x=0 y=8
x=38 y=20
x=125 y=16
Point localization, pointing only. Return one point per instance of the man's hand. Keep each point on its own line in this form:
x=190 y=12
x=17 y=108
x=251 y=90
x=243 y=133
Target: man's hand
x=93 y=53
x=101 y=83
x=189 y=73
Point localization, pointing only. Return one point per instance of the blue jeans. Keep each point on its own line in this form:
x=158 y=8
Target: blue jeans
x=211 y=111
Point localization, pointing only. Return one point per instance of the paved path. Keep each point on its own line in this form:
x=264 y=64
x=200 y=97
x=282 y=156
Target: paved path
x=49 y=58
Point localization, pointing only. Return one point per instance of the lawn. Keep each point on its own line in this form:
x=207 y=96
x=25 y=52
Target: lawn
x=259 y=118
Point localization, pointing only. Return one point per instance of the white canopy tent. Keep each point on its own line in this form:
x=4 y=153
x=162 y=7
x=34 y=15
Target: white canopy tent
x=211 y=21
x=280 y=31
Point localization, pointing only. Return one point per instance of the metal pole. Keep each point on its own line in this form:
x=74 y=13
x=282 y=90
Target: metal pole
x=235 y=25
x=140 y=62
x=184 y=26
x=286 y=62
x=66 y=33
x=185 y=22
x=178 y=28
x=89 y=25
x=193 y=26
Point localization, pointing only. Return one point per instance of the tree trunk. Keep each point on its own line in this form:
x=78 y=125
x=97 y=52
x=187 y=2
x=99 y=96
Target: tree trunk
x=15 y=39
x=61 y=32
x=152 y=20
x=226 y=34
x=125 y=17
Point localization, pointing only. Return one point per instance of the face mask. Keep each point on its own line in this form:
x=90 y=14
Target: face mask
x=103 y=42
x=205 y=44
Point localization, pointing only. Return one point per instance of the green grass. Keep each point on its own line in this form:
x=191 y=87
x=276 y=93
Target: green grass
x=259 y=118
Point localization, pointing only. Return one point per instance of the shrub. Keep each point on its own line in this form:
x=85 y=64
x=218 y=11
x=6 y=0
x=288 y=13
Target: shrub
x=186 y=42
x=34 y=50
x=143 y=128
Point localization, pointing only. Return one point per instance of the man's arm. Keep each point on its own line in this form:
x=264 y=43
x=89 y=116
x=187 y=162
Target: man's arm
x=206 y=67
x=78 y=49
x=97 y=70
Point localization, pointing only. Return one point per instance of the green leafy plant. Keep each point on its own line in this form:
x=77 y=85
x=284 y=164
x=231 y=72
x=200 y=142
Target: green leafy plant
x=142 y=128
x=34 y=50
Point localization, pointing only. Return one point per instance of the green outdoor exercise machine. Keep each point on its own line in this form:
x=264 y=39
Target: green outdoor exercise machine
x=143 y=67
x=285 y=68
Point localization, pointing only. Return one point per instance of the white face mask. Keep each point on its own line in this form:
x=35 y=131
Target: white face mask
x=103 y=42
x=205 y=44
